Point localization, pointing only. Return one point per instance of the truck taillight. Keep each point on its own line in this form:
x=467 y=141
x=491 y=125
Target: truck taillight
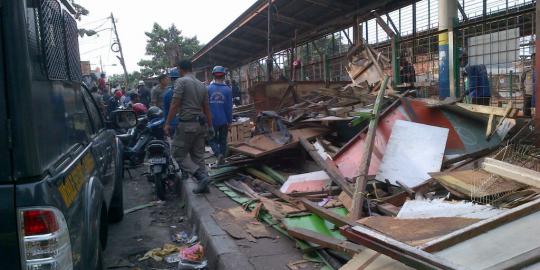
x=44 y=239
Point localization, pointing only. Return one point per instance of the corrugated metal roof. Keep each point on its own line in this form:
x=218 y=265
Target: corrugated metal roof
x=245 y=39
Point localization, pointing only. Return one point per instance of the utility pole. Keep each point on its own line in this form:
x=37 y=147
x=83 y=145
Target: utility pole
x=269 y=60
x=101 y=64
x=121 y=57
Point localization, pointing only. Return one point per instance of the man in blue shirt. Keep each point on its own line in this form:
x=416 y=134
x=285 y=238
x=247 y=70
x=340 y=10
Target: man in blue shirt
x=220 y=99
x=167 y=98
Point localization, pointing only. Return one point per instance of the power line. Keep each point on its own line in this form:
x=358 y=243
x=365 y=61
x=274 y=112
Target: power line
x=88 y=23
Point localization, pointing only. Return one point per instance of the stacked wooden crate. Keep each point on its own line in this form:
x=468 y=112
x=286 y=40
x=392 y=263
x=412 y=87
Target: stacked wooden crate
x=239 y=131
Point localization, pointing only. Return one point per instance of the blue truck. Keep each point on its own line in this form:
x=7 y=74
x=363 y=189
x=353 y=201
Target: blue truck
x=60 y=162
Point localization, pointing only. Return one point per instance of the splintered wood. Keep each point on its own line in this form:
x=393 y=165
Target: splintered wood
x=475 y=183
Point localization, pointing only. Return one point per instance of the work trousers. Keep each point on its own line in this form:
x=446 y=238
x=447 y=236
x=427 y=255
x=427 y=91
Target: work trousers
x=219 y=142
x=190 y=139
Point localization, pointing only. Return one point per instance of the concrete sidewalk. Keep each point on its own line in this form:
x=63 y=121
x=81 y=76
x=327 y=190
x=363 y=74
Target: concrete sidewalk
x=223 y=251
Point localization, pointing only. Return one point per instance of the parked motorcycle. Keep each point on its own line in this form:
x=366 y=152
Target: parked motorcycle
x=161 y=168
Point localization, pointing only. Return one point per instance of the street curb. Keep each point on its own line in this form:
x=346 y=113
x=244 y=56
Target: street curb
x=221 y=250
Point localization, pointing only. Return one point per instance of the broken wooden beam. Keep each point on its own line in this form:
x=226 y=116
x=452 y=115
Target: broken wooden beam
x=277 y=193
x=361 y=180
x=392 y=248
x=388 y=209
x=327 y=214
x=512 y=172
x=328 y=166
x=325 y=241
x=488 y=110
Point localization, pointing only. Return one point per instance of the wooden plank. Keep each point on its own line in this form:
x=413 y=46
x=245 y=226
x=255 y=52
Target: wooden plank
x=361 y=180
x=481 y=227
x=327 y=214
x=325 y=241
x=328 y=166
x=277 y=193
x=513 y=172
x=388 y=209
x=404 y=253
x=488 y=110
x=489 y=128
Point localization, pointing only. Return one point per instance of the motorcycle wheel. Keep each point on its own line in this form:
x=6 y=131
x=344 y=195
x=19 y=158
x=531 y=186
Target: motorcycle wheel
x=160 y=186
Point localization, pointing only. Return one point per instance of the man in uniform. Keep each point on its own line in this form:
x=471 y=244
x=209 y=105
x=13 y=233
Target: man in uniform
x=159 y=90
x=190 y=102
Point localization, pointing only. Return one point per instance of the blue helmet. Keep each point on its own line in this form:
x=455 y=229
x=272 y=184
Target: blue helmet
x=173 y=73
x=218 y=70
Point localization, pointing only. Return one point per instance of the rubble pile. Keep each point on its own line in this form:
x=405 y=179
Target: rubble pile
x=365 y=178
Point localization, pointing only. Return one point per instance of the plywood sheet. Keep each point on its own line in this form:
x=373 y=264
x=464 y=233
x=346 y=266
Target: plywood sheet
x=413 y=151
x=416 y=231
x=261 y=145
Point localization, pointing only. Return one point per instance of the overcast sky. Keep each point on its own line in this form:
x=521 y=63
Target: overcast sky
x=202 y=18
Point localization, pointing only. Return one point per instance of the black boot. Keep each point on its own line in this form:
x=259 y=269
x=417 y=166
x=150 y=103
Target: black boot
x=202 y=185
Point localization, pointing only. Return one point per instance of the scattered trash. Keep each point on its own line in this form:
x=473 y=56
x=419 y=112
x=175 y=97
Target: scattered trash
x=158 y=254
x=192 y=257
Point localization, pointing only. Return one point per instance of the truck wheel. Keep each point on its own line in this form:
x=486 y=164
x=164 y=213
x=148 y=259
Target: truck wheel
x=160 y=186
x=116 y=209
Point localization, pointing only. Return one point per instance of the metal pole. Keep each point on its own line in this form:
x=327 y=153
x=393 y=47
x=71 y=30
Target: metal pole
x=447 y=14
x=537 y=85
x=269 y=62
x=121 y=58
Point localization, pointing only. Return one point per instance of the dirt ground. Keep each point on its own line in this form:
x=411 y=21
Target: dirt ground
x=144 y=229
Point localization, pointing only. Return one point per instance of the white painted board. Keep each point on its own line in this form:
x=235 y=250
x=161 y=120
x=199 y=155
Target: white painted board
x=413 y=151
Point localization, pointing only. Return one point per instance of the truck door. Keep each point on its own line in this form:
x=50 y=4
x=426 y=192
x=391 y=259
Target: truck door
x=104 y=147
x=9 y=255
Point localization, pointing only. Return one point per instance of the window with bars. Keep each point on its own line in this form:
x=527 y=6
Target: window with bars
x=59 y=41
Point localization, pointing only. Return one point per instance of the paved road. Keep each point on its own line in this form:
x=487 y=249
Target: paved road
x=145 y=229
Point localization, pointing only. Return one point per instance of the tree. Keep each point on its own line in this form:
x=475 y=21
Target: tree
x=160 y=42
x=119 y=79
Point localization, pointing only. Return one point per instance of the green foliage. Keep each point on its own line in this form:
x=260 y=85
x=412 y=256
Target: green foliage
x=161 y=41
x=119 y=79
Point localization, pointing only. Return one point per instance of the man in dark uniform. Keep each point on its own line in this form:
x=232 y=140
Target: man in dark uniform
x=190 y=102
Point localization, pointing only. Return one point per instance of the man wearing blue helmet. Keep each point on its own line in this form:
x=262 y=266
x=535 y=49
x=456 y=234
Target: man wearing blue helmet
x=167 y=98
x=220 y=99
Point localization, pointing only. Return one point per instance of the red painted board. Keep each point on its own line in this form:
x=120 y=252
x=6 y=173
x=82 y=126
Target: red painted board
x=348 y=161
x=435 y=117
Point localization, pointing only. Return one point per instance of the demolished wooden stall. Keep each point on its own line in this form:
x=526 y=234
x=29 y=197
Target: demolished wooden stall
x=280 y=94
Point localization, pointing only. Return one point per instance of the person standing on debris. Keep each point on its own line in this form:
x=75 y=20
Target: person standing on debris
x=407 y=74
x=102 y=83
x=144 y=94
x=159 y=90
x=237 y=95
x=220 y=96
x=167 y=98
x=190 y=102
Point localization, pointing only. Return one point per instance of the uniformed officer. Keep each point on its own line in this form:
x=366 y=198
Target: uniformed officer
x=190 y=102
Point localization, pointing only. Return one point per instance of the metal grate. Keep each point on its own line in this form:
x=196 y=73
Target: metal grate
x=53 y=40
x=72 y=47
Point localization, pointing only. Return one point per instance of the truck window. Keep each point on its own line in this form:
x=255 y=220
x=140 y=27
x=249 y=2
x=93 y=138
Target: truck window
x=79 y=125
x=95 y=116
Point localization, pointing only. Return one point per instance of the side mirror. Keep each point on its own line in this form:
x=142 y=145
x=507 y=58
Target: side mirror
x=124 y=119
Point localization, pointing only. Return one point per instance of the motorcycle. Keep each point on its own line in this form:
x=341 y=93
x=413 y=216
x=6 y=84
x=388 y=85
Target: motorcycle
x=161 y=169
